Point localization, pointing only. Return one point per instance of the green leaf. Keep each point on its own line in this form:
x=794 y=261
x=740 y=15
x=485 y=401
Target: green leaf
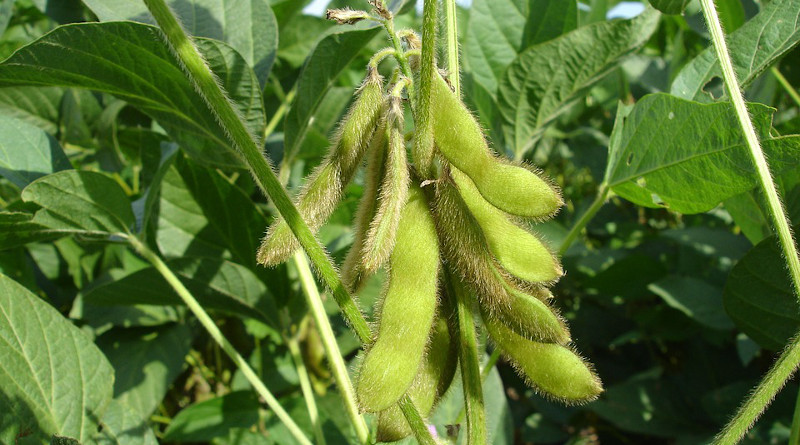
x=28 y=153
x=18 y=229
x=666 y=151
x=545 y=79
x=213 y=418
x=130 y=61
x=330 y=57
x=55 y=381
x=249 y=26
x=202 y=214
x=145 y=361
x=81 y=201
x=123 y=426
x=61 y=440
x=217 y=284
x=759 y=298
x=670 y=6
x=694 y=297
x=548 y=20
x=754 y=47
x=37 y=106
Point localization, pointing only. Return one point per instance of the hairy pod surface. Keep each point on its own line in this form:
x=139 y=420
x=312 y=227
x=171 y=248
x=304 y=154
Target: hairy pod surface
x=432 y=381
x=459 y=137
x=323 y=190
x=407 y=310
x=555 y=370
x=380 y=237
x=520 y=252
x=464 y=245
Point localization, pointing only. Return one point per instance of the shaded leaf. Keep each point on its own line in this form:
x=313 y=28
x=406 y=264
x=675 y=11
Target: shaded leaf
x=545 y=79
x=696 y=298
x=759 y=297
x=123 y=426
x=754 y=47
x=55 y=380
x=670 y=6
x=37 y=106
x=687 y=156
x=213 y=418
x=28 y=152
x=130 y=61
x=18 y=229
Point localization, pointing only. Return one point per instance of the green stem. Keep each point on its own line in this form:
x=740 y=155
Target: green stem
x=305 y=387
x=415 y=421
x=278 y=116
x=785 y=84
x=423 y=129
x=577 y=228
x=217 y=335
x=794 y=436
x=470 y=366
x=487 y=368
x=335 y=359
x=763 y=394
x=452 y=45
x=401 y=58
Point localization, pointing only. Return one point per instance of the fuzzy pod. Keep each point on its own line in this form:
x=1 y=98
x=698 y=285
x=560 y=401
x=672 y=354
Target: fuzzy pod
x=520 y=252
x=464 y=245
x=380 y=238
x=323 y=189
x=407 y=309
x=432 y=381
x=512 y=188
x=554 y=370
x=353 y=273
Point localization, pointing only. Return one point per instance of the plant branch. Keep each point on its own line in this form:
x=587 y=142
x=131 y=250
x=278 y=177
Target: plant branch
x=217 y=335
x=305 y=387
x=335 y=360
x=453 y=65
x=785 y=84
x=577 y=228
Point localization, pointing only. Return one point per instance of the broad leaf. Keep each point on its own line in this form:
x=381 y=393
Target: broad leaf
x=249 y=26
x=28 y=153
x=213 y=418
x=545 y=79
x=123 y=426
x=81 y=201
x=130 y=61
x=217 y=284
x=670 y=6
x=754 y=47
x=687 y=156
x=55 y=380
x=145 y=362
x=759 y=297
x=18 y=229
x=38 y=106
x=330 y=57
x=694 y=297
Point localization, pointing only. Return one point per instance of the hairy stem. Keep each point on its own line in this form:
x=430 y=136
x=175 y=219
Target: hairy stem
x=217 y=335
x=453 y=65
x=487 y=368
x=205 y=82
x=305 y=387
x=577 y=228
x=423 y=122
x=335 y=359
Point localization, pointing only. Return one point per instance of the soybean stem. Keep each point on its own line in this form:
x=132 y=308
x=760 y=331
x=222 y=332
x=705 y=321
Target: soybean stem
x=335 y=359
x=487 y=368
x=220 y=338
x=305 y=387
x=599 y=200
x=278 y=116
x=470 y=366
x=204 y=80
x=453 y=65
x=415 y=421
x=785 y=84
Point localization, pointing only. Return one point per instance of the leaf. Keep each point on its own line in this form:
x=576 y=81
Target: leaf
x=122 y=426
x=754 y=47
x=55 y=381
x=694 y=297
x=81 y=201
x=670 y=6
x=759 y=298
x=146 y=361
x=545 y=79
x=28 y=153
x=202 y=214
x=548 y=20
x=130 y=61
x=687 y=156
x=249 y=26
x=217 y=284
x=18 y=229
x=37 y=106
x=330 y=57
x=213 y=418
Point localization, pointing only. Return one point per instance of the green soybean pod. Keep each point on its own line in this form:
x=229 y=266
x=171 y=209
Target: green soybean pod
x=432 y=381
x=323 y=190
x=520 y=252
x=464 y=245
x=554 y=370
x=459 y=138
x=407 y=309
x=380 y=237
